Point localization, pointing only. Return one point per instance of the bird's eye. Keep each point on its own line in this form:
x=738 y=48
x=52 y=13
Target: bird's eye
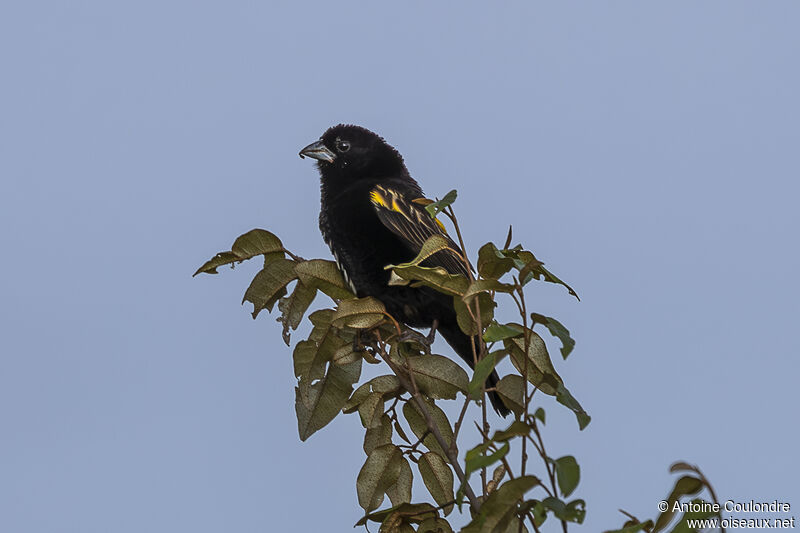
x=342 y=146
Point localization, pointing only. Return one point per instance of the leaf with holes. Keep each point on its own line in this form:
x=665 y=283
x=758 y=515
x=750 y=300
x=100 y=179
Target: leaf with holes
x=293 y=307
x=558 y=330
x=254 y=242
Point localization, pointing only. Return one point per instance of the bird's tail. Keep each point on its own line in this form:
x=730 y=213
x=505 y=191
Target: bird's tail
x=460 y=342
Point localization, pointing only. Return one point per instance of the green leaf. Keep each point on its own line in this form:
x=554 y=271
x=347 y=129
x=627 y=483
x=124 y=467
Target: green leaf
x=435 y=525
x=494 y=263
x=575 y=511
x=481 y=456
x=536 y=269
x=683 y=524
x=418 y=425
x=220 y=259
x=254 y=242
x=311 y=356
x=516 y=429
x=558 y=330
x=378 y=435
x=359 y=313
x=324 y=276
x=485 y=286
x=345 y=353
x=511 y=389
x=293 y=307
x=396 y=526
x=464 y=318
x=321 y=319
x=568 y=474
x=316 y=404
x=539 y=511
x=540 y=370
x=501 y=506
x=371 y=410
x=438 y=376
x=685 y=486
x=435 y=277
x=542 y=374
x=491 y=263
x=400 y=492
x=434 y=208
x=465 y=321
x=386 y=385
x=634 y=527
x=564 y=397
x=482 y=371
x=311 y=359
x=401 y=518
x=682 y=466
x=269 y=285
x=511 y=523
x=498 y=332
x=409 y=512
x=380 y=471
x=438 y=479
x=434 y=244
x=540 y=415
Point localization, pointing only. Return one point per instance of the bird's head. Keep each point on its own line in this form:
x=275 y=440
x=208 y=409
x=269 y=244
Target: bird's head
x=352 y=152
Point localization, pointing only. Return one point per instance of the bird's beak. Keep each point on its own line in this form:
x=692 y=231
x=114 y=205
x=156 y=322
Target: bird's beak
x=318 y=151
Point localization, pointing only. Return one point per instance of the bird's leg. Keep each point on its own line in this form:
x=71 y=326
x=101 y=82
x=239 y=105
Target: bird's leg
x=357 y=346
x=358 y=340
x=410 y=335
x=432 y=335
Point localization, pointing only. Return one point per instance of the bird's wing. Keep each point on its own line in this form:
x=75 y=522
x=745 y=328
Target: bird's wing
x=413 y=225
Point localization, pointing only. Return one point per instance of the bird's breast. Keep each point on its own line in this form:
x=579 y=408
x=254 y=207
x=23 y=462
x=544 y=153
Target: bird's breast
x=360 y=244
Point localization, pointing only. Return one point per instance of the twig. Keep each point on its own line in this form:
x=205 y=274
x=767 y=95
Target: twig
x=452 y=454
x=548 y=466
x=460 y=420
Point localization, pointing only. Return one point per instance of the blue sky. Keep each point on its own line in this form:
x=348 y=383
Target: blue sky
x=647 y=152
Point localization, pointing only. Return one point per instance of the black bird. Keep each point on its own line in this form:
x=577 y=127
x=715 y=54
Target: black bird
x=369 y=219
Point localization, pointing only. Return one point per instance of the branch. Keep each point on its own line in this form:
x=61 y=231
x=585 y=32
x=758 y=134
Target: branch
x=452 y=453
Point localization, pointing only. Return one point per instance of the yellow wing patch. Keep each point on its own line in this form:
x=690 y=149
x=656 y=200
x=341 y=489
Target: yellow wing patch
x=389 y=199
x=377 y=199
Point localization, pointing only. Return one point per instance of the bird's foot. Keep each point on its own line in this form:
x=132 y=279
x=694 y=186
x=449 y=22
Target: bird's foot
x=432 y=335
x=363 y=340
x=410 y=335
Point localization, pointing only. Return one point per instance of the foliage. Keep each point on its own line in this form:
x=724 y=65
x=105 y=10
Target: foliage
x=407 y=434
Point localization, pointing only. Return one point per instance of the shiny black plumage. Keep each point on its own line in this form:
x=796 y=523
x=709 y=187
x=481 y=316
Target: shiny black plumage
x=369 y=220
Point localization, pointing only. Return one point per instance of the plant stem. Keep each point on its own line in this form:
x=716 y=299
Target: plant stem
x=451 y=451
